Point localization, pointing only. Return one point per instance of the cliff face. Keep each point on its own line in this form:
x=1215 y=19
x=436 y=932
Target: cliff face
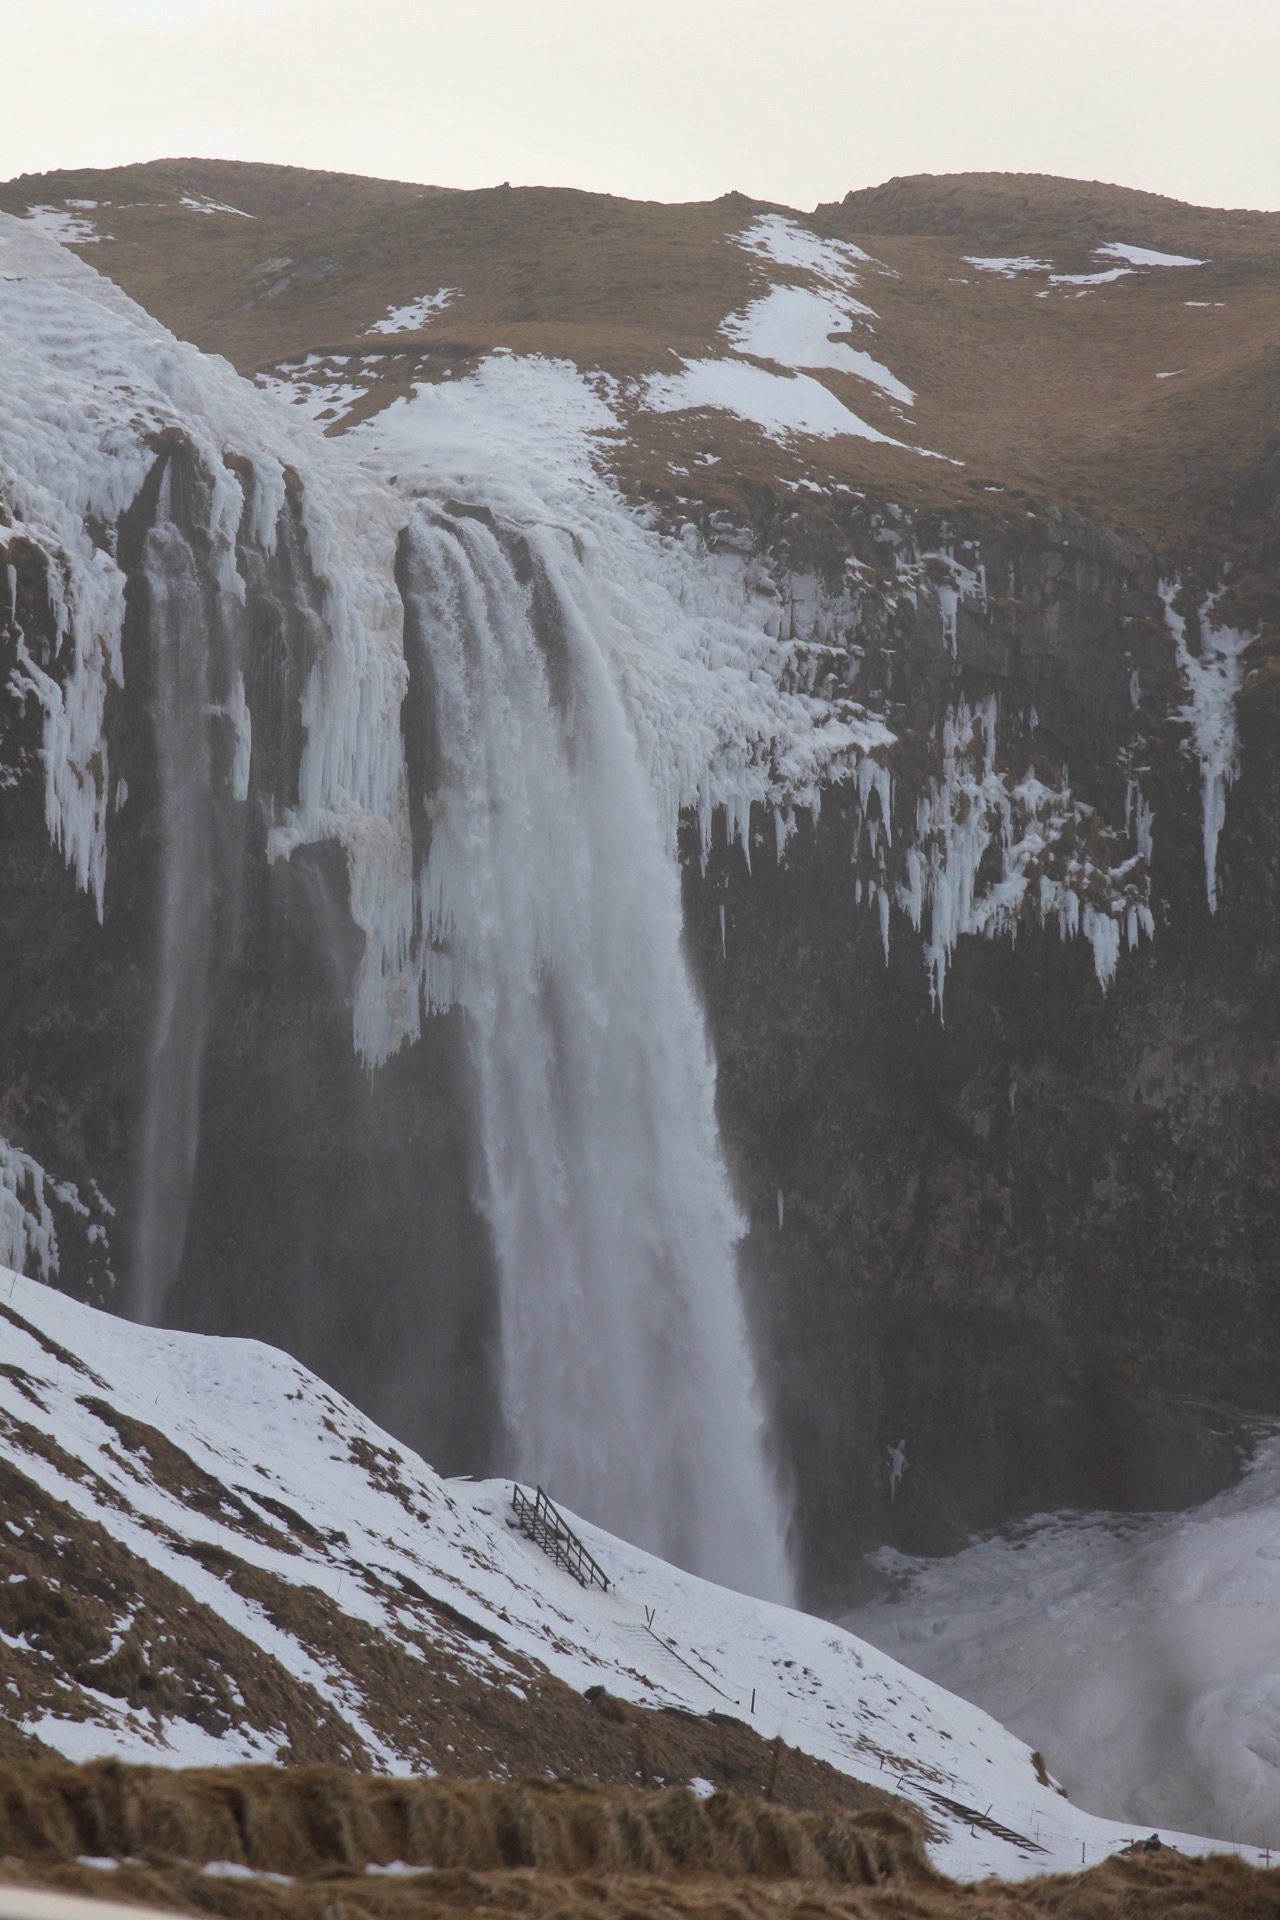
x=1024 y=1236
x=992 y=993
x=317 y=1206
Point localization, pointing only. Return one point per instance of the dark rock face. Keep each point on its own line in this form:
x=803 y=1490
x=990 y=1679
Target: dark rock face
x=1034 y=1246
x=328 y=1209
x=1031 y=1243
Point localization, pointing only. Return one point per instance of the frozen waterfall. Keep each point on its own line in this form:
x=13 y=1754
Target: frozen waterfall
x=551 y=914
x=534 y=887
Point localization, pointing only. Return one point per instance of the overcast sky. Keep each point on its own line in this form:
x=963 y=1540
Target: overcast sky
x=788 y=100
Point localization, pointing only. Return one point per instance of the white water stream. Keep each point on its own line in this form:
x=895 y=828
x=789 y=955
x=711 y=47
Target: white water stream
x=551 y=911
x=180 y=646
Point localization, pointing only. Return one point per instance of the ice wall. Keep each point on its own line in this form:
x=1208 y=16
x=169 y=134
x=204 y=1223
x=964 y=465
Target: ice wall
x=90 y=386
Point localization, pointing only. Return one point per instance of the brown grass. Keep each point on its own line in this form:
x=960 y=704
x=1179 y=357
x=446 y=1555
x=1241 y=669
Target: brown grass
x=1056 y=397
x=82 y=1615
x=533 y=1848
x=1014 y=213
x=309 y=1820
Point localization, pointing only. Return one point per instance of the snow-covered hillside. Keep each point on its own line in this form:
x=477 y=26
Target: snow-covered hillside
x=224 y=1468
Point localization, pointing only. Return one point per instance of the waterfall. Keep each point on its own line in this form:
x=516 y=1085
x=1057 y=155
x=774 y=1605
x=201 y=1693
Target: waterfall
x=551 y=913
x=180 y=645
x=546 y=903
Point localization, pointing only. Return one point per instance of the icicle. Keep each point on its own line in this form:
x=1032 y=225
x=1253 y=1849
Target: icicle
x=27 y=1235
x=1212 y=681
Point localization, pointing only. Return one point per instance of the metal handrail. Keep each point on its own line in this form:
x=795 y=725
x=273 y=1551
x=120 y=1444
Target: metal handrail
x=540 y=1521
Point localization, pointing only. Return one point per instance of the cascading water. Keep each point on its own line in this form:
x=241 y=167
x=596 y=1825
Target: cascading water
x=180 y=634
x=551 y=913
x=546 y=904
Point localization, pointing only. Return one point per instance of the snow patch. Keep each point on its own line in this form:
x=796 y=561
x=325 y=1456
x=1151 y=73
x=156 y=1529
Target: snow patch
x=1089 y=279
x=197 y=203
x=779 y=404
x=415 y=313
x=1008 y=265
x=791 y=326
x=321 y=387
x=774 y=237
x=68 y=228
x=1146 y=256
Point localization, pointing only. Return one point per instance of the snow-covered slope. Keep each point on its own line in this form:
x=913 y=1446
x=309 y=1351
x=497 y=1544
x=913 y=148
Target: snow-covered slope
x=226 y=1469
x=1141 y=1651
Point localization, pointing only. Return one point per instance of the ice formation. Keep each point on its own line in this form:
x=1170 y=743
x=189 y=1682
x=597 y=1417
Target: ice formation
x=1040 y=836
x=28 y=1237
x=707 y=648
x=1211 y=677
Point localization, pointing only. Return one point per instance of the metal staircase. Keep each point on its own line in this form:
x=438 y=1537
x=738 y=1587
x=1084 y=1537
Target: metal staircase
x=544 y=1526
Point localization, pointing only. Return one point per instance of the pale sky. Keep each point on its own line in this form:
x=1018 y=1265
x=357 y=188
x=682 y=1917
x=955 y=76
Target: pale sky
x=787 y=100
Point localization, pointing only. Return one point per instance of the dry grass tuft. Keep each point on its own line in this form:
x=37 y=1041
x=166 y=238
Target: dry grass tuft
x=261 y=1843
x=304 y=1821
